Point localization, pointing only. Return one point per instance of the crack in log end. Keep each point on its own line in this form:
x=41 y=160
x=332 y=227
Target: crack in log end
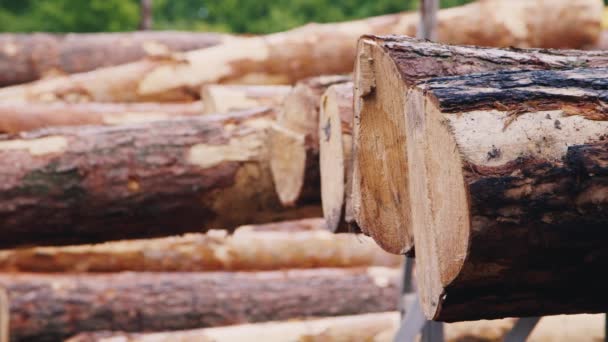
x=327 y=130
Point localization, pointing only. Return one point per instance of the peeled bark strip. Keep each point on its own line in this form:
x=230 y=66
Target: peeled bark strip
x=52 y=307
x=320 y=49
x=26 y=117
x=510 y=173
x=28 y=57
x=335 y=162
x=294 y=244
x=386 y=70
x=227 y=98
x=94 y=184
x=295 y=142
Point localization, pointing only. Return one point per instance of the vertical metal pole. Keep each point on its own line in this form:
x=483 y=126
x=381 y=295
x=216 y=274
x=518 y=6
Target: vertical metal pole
x=407 y=287
x=522 y=329
x=145 y=22
x=427 y=29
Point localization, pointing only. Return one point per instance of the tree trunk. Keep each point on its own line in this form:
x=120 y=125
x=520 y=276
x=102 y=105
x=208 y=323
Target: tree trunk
x=28 y=57
x=294 y=244
x=50 y=307
x=226 y=98
x=144 y=180
x=368 y=327
x=295 y=143
x=510 y=173
x=377 y=327
x=386 y=70
x=145 y=11
x=322 y=49
x=335 y=147
x=31 y=116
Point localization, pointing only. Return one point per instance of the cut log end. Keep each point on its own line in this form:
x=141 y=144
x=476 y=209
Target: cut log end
x=435 y=176
x=498 y=182
x=288 y=163
x=379 y=192
x=331 y=155
x=335 y=145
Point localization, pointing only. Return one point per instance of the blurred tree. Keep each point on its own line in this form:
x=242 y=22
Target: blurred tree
x=243 y=16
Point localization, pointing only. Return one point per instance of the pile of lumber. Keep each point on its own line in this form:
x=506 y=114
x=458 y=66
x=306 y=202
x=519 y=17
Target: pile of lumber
x=163 y=186
x=495 y=173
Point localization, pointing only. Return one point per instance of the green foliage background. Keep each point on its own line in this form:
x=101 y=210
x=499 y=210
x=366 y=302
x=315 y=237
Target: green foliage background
x=242 y=16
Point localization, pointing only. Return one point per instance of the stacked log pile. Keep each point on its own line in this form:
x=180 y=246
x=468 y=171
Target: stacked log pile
x=502 y=175
x=490 y=162
x=318 y=49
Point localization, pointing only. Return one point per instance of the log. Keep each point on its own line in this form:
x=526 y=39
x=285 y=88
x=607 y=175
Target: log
x=228 y=98
x=31 y=116
x=28 y=57
x=291 y=244
x=386 y=69
x=142 y=180
x=53 y=307
x=367 y=327
x=320 y=49
x=335 y=162
x=510 y=173
x=294 y=139
x=4 y=316
x=377 y=327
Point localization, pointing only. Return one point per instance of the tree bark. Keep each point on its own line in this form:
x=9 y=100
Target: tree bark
x=511 y=182
x=28 y=57
x=31 y=116
x=226 y=98
x=335 y=162
x=142 y=180
x=368 y=327
x=53 y=307
x=295 y=142
x=293 y=244
x=386 y=70
x=321 y=49
x=377 y=327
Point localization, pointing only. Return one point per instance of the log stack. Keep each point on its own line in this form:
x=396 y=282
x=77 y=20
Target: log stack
x=386 y=70
x=501 y=176
x=490 y=162
x=318 y=49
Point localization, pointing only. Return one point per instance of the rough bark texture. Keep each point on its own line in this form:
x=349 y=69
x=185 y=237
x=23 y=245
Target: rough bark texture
x=315 y=49
x=368 y=327
x=386 y=69
x=226 y=98
x=292 y=244
x=50 y=307
x=94 y=184
x=512 y=188
x=28 y=57
x=295 y=142
x=30 y=116
x=335 y=162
